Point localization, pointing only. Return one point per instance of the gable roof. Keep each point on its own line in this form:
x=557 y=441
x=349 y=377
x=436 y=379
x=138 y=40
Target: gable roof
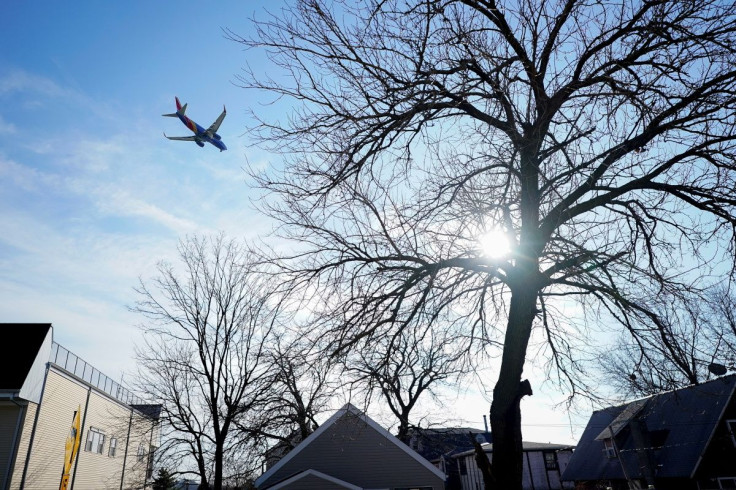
x=679 y=424
x=318 y=475
x=25 y=340
x=348 y=408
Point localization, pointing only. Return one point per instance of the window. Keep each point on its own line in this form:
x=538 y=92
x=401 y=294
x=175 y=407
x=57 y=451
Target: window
x=141 y=452
x=608 y=448
x=731 y=426
x=550 y=460
x=149 y=464
x=727 y=482
x=113 y=447
x=95 y=441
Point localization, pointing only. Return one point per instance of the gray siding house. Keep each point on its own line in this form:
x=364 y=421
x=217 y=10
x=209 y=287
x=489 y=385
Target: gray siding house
x=351 y=451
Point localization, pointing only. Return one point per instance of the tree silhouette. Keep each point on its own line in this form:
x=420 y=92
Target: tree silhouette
x=598 y=137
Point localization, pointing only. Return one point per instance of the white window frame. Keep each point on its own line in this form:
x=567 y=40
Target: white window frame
x=113 y=447
x=731 y=427
x=609 y=448
x=95 y=441
x=727 y=478
x=141 y=455
x=550 y=465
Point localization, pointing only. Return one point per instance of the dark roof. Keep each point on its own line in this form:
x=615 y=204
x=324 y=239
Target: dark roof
x=435 y=443
x=152 y=411
x=676 y=426
x=24 y=340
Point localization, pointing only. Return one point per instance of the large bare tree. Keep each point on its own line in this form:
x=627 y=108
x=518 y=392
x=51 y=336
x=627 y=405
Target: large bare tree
x=204 y=355
x=596 y=137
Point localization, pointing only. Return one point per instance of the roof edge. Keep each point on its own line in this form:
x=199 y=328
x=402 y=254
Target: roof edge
x=348 y=407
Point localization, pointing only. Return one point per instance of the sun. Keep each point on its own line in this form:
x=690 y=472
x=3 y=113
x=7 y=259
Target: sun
x=494 y=244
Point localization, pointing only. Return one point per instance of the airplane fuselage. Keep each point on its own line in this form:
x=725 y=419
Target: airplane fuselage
x=200 y=134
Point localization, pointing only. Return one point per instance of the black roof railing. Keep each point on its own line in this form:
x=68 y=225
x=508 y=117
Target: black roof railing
x=80 y=368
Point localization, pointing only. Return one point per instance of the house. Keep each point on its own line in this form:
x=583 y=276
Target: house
x=681 y=439
x=439 y=445
x=544 y=464
x=351 y=451
x=42 y=387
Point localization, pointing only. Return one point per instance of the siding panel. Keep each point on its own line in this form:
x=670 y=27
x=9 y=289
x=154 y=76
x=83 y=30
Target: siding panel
x=355 y=453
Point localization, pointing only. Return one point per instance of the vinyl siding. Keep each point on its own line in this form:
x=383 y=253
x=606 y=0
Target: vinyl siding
x=352 y=451
x=312 y=482
x=9 y=413
x=535 y=475
x=61 y=398
x=99 y=470
x=63 y=394
x=140 y=433
x=25 y=439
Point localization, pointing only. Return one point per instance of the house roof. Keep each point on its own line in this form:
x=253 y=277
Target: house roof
x=150 y=410
x=25 y=341
x=677 y=426
x=347 y=408
x=526 y=446
x=433 y=443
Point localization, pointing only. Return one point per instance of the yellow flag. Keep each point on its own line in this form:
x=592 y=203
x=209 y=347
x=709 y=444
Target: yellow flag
x=72 y=446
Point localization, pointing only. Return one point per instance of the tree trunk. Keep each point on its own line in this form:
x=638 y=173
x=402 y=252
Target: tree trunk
x=509 y=389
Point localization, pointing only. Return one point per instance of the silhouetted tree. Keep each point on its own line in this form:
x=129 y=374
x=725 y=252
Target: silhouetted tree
x=301 y=386
x=164 y=480
x=401 y=370
x=597 y=137
x=695 y=342
x=204 y=353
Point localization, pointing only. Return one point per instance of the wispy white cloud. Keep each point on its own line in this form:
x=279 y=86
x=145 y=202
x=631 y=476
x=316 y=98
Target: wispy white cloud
x=21 y=81
x=7 y=127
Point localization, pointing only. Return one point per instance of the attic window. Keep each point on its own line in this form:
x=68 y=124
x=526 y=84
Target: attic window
x=731 y=426
x=608 y=448
x=550 y=460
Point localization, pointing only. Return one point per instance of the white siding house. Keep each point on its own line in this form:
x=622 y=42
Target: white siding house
x=543 y=466
x=41 y=388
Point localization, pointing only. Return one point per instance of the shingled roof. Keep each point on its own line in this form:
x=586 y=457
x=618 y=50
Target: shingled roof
x=676 y=426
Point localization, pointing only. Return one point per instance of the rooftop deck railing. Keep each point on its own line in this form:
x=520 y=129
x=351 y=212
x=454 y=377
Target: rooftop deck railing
x=78 y=367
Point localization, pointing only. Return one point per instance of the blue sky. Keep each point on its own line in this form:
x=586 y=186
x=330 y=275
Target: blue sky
x=91 y=193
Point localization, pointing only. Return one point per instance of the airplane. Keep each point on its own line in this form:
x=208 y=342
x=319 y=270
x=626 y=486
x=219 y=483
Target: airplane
x=201 y=135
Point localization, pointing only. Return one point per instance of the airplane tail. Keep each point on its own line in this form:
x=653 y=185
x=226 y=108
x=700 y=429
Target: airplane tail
x=180 y=109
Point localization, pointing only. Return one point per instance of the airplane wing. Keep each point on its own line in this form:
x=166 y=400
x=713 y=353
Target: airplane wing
x=216 y=125
x=181 y=138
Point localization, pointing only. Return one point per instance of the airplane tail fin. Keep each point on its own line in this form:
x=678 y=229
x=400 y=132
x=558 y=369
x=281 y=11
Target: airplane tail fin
x=180 y=109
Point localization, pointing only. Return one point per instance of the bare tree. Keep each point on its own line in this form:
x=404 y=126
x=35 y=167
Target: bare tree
x=417 y=363
x=696 y=342
x=301 y=386
x=204 y=354
x=596 y=137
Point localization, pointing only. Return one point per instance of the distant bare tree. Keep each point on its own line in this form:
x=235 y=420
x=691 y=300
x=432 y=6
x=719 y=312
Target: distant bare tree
x=301 y=386
x=596 y=137
x=696 y=342
x=204 y=353
x=417 y=363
